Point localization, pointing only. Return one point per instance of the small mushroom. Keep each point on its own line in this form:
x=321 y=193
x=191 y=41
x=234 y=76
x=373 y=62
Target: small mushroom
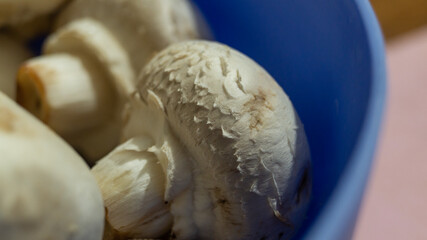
x=46 y=189
x=96 y=51
x=73 y=88
x=12 y=54
x=214 y=150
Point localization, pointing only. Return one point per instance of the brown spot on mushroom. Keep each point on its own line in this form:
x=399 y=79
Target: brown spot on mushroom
x=257 y=106
x=264 y=96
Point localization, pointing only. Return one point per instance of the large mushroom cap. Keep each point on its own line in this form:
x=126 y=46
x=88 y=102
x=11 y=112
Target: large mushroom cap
x=46 y=190
x=232 y=148
x=248 y=147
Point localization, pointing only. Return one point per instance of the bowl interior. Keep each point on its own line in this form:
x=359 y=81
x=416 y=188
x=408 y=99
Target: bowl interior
x=318 y=52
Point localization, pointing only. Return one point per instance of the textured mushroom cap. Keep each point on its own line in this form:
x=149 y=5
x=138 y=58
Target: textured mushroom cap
x=46 y=190
x=12 y=55
x=141 y=26
x=249 y=156
x=18 y=11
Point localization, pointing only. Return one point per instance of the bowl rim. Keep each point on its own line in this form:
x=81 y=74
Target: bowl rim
x=338 y=217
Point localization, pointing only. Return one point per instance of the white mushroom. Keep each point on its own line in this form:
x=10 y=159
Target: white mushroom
x=12 y=54
x=233 y=153
x=142 y=27
x=19 y=11
x=46 y=189
x=109 y=41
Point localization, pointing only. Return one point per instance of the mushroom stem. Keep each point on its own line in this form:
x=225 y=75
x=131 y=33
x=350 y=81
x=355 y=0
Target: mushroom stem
x=66 y=92
x=134 y=192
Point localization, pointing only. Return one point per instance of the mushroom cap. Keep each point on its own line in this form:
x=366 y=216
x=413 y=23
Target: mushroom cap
x=13 y=54
x=87 y=37
x=141 y=26
x=46 y=190
x=18 y=11
x=248 y=154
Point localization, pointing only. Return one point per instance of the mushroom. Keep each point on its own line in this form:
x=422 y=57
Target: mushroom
x=13 y=54
x=46 y=189
x=142 y=27
x=213 y=150
x=14 y=12
x=73 y=88
x=96 y=51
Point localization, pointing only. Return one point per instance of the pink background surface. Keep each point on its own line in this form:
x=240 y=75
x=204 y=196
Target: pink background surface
x=395 y=204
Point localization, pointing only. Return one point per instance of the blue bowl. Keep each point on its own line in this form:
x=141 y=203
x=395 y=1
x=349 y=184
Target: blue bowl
x=329 y=58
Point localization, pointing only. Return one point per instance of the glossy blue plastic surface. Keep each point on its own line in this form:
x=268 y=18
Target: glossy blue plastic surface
x=329 y=58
